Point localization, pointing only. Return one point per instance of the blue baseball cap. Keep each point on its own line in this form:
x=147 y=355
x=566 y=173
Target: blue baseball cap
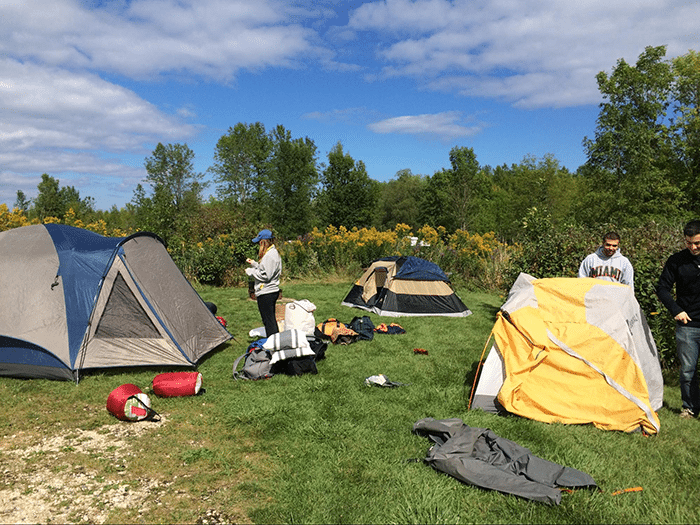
x=264 y=234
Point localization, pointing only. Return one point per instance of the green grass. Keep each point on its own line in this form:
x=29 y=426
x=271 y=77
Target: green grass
x=326 y=448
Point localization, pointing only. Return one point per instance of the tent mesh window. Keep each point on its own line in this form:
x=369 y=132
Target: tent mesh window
x=123 y=316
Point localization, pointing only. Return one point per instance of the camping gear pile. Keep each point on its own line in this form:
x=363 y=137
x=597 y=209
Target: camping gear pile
x=289 y=352
x=293 y=351
x=82 y=301
x=360 y=328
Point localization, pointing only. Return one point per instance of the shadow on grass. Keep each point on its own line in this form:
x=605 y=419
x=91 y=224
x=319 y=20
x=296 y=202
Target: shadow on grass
x=470 y=381
x=490 y=310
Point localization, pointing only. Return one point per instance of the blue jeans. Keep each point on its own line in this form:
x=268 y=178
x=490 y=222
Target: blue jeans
x=687 y=348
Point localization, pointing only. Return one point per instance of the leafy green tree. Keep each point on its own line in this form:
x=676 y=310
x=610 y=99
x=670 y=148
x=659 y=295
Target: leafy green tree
x=347 y=197
x=399 y=201
x=48 y=202
x=457 y=198
x=291 y=179
x=176 y=192
x=540 y=186
x=633 y=142
x=685 y=125
x=241 y=161
x=119 y=218
x=470 y=188
x=22 y=202
x=434 y=204
x=55 y=201
x=84 y=209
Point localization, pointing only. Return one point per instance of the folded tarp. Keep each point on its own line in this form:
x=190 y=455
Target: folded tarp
x=479 y=457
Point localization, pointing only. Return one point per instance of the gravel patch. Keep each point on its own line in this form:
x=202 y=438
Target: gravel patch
x=39 y=484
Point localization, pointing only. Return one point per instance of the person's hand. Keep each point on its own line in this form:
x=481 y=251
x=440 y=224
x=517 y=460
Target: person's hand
x=683 y=318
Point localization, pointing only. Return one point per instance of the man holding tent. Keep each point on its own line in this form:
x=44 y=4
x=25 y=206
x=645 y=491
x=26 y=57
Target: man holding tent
x=683 y=270
x=608 y=263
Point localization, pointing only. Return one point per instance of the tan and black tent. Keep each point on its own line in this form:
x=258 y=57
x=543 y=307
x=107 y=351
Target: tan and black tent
x=404 y=286
x=75 y=300
x=570 y=350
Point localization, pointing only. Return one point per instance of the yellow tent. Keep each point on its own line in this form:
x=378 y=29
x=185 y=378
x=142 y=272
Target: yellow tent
x=573 y=351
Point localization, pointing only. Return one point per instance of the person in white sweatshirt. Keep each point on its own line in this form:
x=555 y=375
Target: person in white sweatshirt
x=266 y=271
x=608 y=263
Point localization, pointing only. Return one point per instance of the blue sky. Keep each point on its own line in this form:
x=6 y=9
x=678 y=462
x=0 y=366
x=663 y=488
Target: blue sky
x=88 y=88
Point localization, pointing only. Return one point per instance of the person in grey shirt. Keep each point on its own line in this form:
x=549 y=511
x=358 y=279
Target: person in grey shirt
x=608 y=263
x=266 y=272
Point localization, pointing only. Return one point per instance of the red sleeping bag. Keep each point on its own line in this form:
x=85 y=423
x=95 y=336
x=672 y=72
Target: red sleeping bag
x=174 y=384
x=129 y=403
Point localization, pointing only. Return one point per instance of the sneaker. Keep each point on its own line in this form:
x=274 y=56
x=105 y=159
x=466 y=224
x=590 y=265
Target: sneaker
x=686 y=413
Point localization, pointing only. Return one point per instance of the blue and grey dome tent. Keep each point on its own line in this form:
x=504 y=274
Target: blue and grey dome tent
x=74 y=300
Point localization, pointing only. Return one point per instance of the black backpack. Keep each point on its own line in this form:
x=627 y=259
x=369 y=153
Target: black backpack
x=363 y=326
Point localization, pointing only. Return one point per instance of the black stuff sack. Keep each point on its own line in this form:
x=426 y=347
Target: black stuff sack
x=318 y=346
x=296 y=366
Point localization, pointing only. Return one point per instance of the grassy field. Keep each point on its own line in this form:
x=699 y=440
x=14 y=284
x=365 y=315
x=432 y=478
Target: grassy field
x=326 y=448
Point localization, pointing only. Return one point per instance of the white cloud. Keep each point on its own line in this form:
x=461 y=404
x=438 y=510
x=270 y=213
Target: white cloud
x=56 y=121
x=514 y=51
x=54 y=108
x=62 y=62
x=140 y=39
x=61 y=117
x=357 y=115
x=446 y=126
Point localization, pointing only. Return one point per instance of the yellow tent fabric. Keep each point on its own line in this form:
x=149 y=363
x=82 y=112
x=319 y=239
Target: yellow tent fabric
x=565 y=360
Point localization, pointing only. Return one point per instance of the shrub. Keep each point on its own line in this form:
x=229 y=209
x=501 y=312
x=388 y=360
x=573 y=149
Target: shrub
x=13 y=219
x=218 y=261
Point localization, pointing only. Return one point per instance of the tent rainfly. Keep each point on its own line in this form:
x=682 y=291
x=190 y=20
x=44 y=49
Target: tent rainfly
x=405 y=286
x=74 y=300
x=574 y=351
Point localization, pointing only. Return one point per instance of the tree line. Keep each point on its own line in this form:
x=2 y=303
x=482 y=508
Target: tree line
x=642 y=166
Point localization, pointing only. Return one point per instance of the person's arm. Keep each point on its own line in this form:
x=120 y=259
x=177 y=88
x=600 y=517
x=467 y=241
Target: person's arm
x=664 y=290
x=629 y=275
x=583 y=270
x=259 y=270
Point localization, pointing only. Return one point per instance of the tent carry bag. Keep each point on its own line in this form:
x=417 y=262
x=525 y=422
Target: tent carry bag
x=175 y=384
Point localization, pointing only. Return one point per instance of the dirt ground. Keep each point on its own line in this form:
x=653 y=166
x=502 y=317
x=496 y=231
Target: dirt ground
x=41 y=485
